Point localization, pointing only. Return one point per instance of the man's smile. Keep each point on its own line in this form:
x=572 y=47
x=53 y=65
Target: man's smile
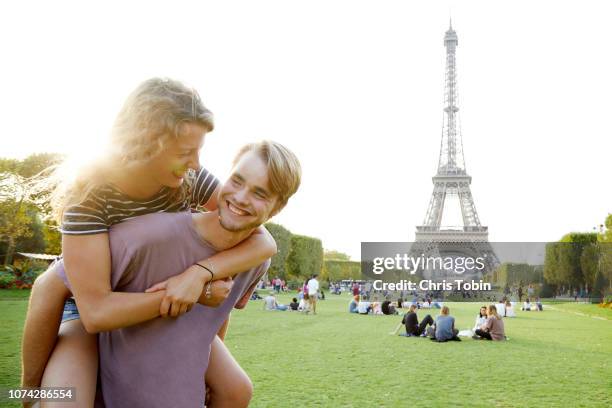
x=236 y=210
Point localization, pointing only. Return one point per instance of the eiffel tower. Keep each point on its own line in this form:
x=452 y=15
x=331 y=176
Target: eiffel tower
x=452 y=179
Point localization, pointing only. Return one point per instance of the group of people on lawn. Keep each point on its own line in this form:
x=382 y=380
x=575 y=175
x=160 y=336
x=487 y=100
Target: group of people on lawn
x=488 y=326
x=362 y=306
x=308 y=294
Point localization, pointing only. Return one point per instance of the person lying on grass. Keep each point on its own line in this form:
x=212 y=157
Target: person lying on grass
x=270 y=303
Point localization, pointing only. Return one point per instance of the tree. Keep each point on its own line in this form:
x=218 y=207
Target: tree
x=53 y=238
x=606 y=236
x=573 y=260
x=282 y=236
x=36 y=163
x=589 y=263
x=605 y=256
x=14 y=224
x=336 y=270
x=8 y=165
x=32 y=166
x=305 y=256
x=332 y=255
x=551 y=263
x=36 y=241
x=570 y=253
x=21 y=227
x=599 y=287
x=510 y=273
x=14 y=219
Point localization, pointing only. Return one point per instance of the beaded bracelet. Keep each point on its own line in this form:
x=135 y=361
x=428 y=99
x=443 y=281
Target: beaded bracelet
x=207 y=290
x=212 y=275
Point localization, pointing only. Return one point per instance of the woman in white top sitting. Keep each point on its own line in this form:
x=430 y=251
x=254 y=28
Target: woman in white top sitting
x=526 y=305
x=539 y=307
x=481 y=318
x=363 y=307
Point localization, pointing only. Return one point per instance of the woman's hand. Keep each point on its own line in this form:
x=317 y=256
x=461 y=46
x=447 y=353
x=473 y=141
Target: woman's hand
x=182 y=291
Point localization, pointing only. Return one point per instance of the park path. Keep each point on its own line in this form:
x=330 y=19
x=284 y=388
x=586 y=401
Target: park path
x=578 y=313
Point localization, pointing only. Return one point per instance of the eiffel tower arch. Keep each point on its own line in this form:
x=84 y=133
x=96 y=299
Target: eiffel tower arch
x=452 y=180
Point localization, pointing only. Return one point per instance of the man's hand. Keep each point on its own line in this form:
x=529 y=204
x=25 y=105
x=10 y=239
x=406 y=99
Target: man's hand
x=182 y=291
x=219 y=291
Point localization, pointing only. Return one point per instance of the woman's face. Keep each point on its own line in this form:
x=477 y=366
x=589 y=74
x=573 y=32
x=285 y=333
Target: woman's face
x=483 y=311
x=170 y=166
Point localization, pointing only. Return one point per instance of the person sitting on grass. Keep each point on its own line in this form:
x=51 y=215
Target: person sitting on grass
x=364 y=307
x=539 y=307
x=271 y=304
x=294 y=304
x=411 y=321
x=387 y=308
x=376 y=308
x=445 y=327
x=353 y=304
x=493 y=329
x=480 y=319
x=526 y=305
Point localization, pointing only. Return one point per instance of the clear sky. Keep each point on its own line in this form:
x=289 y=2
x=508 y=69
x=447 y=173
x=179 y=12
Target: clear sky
x=355 y=88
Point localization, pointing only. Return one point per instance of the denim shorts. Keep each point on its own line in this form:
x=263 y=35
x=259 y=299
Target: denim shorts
x=70 y=311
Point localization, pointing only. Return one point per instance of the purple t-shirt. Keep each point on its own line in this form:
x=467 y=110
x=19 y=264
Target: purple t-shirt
x=162 y=362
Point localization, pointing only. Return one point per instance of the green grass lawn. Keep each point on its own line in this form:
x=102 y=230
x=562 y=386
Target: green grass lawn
x=582 y=309
x=553 y=359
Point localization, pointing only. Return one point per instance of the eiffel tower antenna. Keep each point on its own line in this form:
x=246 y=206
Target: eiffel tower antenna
x=452 y=178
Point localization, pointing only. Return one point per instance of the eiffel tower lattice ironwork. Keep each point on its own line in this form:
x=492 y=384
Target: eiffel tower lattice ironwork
x=452 y=178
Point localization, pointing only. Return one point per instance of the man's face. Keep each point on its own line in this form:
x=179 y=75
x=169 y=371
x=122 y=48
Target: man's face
x=245 y=200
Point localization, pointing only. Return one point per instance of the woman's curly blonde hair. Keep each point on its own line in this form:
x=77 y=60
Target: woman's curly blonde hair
x=152 y=116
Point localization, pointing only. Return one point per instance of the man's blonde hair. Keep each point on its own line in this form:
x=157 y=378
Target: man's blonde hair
x=445 y=311
x=284 y=170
